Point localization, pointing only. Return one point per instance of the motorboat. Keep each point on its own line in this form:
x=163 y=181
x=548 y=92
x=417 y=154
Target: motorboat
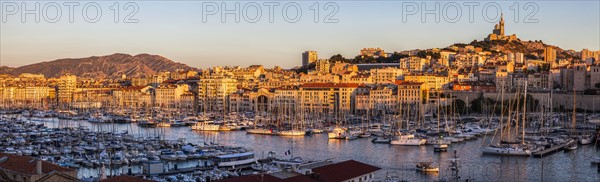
x=180 y=155
x=164 y=124
x=382 y=140
x=292 y=133
x=260 y=131
x=442 y=147
x=427 y=167
x=338 y=133
x=585 y=140
x=235 y=159
x=408 y=139
x=168 y=155
x=205 y=126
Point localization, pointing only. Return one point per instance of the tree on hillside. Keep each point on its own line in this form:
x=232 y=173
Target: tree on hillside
x=338 y=58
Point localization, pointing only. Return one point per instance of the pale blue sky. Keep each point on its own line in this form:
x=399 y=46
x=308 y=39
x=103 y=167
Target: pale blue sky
x=176 y=30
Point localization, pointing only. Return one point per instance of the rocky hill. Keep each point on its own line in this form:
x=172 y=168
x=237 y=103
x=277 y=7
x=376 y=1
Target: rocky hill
x=110 y=66
x=532 y=49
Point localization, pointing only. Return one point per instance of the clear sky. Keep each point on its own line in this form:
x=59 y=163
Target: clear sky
x=176 y=30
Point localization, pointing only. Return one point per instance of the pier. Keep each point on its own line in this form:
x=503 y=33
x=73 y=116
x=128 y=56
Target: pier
x=552 y=149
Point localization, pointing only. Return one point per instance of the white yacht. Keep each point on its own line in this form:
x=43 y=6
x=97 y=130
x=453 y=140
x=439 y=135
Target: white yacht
x=408 y=139
x=236 y=159
x=338 y=133
x=506 y=150
x=585 y=139
x=292 y=133
x=260 y=131
x=205 y=126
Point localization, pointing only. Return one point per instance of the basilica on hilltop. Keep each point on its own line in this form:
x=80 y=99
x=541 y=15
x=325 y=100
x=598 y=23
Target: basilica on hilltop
x=498 y=32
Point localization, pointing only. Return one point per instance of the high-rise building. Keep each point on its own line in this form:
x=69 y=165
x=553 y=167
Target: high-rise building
x=66 y=86
x=549 y=54
x=309 y=57
x=214 y=90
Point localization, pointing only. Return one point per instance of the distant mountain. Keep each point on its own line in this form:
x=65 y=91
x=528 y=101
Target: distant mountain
x=111 y=66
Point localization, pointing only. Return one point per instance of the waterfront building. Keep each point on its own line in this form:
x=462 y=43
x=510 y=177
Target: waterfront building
x=573 y=78
x=503 y=81
x=169 y=96
x=213 y=91
x=474 y=86
x=66 y=87
x=410 y=91
x=376 y=99
x=328 y=98
x=130 y=96
x=594 y=72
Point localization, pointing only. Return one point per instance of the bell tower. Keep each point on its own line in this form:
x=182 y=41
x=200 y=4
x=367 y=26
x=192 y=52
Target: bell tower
x=501 y=25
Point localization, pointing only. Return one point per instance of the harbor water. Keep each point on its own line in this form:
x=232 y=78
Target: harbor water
x=397 y=162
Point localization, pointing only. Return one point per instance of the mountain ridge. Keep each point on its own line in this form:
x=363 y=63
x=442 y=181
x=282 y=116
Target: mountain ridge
x=108 y=66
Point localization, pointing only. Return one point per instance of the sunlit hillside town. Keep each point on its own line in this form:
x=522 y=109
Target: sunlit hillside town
x=534 y=99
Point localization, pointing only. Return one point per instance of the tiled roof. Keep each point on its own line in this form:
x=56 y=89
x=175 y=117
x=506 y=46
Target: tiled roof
x=326 y=85
x=343 y=171
x=26 y=165
x=267 y=178
x=400 y=82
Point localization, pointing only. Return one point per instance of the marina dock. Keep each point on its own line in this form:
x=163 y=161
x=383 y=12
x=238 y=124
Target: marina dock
x=551 y=150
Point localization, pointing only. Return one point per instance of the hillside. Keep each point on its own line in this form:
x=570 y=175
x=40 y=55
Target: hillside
x=110 y=66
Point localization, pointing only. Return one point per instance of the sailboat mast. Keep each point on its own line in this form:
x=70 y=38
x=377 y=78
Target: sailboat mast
x=574 y=115
x=502 y=111
x=524 y=115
